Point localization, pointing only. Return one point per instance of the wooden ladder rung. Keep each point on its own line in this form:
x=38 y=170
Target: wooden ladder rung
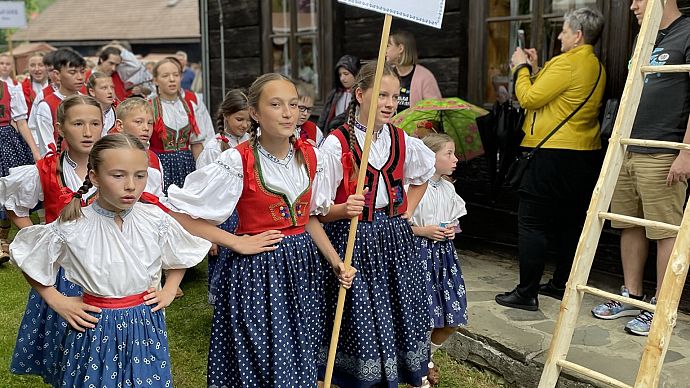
x=666 y=69
x=572 y=367
x=619 y=298
x=656 y=144
x=639 y=221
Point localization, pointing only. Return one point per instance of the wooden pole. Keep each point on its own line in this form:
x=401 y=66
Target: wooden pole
x=9 y=47
x=360 y=188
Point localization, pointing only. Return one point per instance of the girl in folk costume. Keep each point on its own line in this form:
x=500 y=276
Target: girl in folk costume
x=233 y=122
x=68 y=67
x=100 y=86
x=385 y=322
x=267 y=315
x=52 y=180
x=37 y=79
x=6 y=64
x=435 y=222
x=181 y=123
x=117 y=334
x=17 y=147
x=135 y=117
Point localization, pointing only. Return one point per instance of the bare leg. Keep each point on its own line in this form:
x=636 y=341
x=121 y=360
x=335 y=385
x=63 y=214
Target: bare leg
x=439 y=336
x=663 y=254
x=634 y=251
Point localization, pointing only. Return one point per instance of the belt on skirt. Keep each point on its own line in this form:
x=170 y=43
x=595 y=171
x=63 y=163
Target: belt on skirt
x=115 y=303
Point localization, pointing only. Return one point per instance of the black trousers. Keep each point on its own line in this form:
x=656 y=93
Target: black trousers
x=554 y=196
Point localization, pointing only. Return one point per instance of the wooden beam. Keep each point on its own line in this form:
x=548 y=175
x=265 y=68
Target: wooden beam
x=639 y=221
x=579 y=369
x=619 y=298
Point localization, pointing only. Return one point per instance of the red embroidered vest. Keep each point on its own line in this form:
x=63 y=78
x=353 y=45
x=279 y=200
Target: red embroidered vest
x=5 y=105
x=165 y=139
x=308 y=131
x=53 y=102
x=52 y=186
x=260 y=209
x=48 y=90
x=392 y=173
x=29 y=94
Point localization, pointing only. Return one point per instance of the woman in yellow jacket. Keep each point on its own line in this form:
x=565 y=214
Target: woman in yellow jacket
x=557 y=185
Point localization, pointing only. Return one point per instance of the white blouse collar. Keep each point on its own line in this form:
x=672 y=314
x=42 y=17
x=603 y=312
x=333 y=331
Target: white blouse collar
x=108 y=213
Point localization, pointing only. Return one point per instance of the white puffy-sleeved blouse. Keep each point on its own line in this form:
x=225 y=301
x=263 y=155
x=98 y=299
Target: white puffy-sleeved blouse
x=22 y=190
x=212 y=148
x=175 y=117
x=104 y=260
x=212 y=192
x=154 y=181
x=418 y=168
x=440 y=204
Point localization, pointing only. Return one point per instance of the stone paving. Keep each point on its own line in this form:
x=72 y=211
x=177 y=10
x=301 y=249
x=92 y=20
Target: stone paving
x=514 y=343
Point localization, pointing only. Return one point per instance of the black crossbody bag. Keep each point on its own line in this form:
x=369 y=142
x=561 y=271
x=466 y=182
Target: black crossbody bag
x=517 y=170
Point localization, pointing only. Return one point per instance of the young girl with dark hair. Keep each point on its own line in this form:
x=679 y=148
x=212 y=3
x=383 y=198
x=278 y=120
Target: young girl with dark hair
x=116 y=335
x=52 y=180
x=385 y=322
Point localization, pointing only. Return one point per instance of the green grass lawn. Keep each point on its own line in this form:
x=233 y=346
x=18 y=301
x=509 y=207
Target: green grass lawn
x=189 y=327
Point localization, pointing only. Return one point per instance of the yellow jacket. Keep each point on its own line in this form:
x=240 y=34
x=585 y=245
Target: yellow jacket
x=557 y=90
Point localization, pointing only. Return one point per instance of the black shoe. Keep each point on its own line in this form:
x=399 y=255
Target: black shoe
x=517 y=301
x=549 y=289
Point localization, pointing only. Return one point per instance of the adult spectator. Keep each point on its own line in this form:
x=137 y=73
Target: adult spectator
x=338 y=100
x=652 y=181
x=416 y=81
x=187 y=73
x=557 y=185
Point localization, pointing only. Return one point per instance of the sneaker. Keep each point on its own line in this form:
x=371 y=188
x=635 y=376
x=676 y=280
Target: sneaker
x=614 y=309
x=4 y=251
x=641 y=324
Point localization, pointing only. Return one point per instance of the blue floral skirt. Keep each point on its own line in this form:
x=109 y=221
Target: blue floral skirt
x=127 y=348
x=14 y=152
x=176 y=166
x=384 y=338
x=37 y=351
x=447 y=297
x=268 y=317
x=214 y=276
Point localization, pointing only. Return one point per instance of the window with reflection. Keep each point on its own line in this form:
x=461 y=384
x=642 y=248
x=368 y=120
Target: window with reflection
x=294 y=40
x=505 y=20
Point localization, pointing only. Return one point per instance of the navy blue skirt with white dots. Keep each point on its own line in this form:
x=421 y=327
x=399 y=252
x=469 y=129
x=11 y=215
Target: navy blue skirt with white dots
x=14 y=152
x=127 y=348
x=41 y=333
x=384 y=334
x=268 y=317
x=214 y=276
x=176 y=166
x=446 y=294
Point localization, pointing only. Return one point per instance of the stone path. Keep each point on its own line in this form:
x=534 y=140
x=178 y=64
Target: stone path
x=514 y=343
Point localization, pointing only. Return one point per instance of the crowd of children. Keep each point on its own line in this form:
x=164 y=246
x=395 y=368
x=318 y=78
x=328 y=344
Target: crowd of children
x=145 y=187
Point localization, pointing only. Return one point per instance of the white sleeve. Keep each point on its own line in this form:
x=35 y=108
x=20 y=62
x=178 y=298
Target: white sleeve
x=321 y=189
x=420 y=162
x=456 y=205
x=179 y=248
x=21 y=190
x=203 y=121
x=37 y=250
x=332 y=150
x=210 y=153
x=212 y=192
x=18 y=104
x=44 y=127
x=131 y=70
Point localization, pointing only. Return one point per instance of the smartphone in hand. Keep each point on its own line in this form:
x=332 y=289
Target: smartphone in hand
x=521 y=38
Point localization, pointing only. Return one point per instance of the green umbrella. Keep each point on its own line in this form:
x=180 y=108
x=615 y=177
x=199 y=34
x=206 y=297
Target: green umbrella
x=452 y=116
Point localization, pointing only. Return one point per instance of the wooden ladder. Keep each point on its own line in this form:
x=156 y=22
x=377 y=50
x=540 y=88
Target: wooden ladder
x=676 y=272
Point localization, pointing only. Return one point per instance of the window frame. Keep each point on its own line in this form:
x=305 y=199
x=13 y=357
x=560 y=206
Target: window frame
x=323 y=36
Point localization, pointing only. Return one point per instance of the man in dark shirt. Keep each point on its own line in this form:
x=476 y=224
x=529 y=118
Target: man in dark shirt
x=652 y=182
x=187 y=73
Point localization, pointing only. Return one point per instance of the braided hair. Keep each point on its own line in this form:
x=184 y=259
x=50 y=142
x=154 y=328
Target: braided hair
x=363 y=82
x=115 y=141
x=234 y=101
x=253 y=96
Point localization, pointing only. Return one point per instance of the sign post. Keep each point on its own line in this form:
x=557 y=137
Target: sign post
x=12 y=15
x=431 y=14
